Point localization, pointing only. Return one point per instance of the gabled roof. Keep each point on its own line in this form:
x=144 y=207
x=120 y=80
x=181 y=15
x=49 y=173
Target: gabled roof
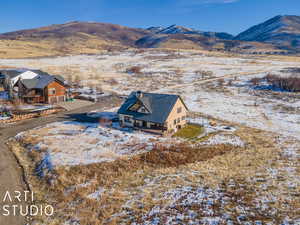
x=41 y=81
x=159 y=105
x=11 y=73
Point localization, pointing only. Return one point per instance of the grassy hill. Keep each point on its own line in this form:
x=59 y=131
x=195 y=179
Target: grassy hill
x=69 y=38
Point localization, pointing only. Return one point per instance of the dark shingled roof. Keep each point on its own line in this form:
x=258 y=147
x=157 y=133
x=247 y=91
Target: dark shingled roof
x=160 y=106
x=41 y=81
x=11 y=73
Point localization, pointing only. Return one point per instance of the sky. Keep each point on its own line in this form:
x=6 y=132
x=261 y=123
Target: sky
x=232 y=16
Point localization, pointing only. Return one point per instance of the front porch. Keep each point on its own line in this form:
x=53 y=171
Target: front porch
x=145 y=126
x=149 y=127
x=151 y=130
x=33 y=96
x=33 y=99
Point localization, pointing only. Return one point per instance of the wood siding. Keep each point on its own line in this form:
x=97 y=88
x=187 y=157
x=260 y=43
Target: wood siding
x=59 y=94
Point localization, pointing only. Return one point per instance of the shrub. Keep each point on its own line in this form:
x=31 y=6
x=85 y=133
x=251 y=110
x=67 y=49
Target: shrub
x=134 y=69
x=221 y=82
x=291 y=83
x=255 y=81
x=204 y=73
x=112 y=81
x=229 y=83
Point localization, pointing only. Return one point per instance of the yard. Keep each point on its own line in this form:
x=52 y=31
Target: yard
x=190 y=131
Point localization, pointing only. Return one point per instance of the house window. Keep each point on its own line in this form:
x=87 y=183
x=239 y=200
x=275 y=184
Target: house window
x=135 y=107
x=179 y=110
x=178 y=120
x=174 y=121
x=183 y=118
x=127 y=119
x=52 y=91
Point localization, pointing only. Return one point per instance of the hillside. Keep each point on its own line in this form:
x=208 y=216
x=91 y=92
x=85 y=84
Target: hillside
x=282 y=31
x=69 y=38
x=280 y=34
x=179 y=37
x=202 y=42
x=182 y=37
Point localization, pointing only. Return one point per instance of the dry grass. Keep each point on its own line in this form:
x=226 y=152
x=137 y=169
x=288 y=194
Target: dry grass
x=181 y=44
x=143 y=176
x=118 y=175
x=11 y=49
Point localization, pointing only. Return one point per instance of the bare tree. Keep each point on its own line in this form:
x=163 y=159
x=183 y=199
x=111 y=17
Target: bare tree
x=221 y=82
x=134 y=69
x=255 y=81
x=77 y=80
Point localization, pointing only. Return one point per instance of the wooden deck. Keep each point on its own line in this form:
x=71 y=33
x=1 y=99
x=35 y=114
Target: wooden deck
x=156 y=131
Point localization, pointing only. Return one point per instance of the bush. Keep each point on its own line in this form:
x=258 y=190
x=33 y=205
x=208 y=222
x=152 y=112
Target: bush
x=255 y=81
x=221 y=81
x=204 y=73
x=229 y=83
x=134 y=69
x=291 y=83
x=112 y=81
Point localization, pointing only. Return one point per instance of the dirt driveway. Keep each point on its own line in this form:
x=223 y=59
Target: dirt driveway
x=11 y=174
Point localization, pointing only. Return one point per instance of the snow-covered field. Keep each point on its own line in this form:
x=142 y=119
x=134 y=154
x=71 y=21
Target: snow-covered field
x=259 y=185
x=187 y=74
x=87 y=143
x=240 y=104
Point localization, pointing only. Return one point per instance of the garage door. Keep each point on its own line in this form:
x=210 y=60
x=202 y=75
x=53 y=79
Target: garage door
x=53 y=100
x=61 y=98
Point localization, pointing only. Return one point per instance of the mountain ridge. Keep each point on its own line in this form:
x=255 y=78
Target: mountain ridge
x=282 y=31
x=175 y=29
x=280 y=34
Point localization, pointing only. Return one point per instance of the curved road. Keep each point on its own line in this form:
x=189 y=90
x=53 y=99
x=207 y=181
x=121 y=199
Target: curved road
x=11 y=174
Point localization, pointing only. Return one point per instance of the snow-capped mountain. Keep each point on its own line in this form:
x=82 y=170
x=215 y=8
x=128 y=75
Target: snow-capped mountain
x=283 y=31
x=174 y=29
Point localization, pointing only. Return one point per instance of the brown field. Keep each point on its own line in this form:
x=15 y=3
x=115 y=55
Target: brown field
x=142 y=179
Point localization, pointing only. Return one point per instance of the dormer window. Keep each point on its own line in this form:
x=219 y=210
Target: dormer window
x=135 y=107
x=138 y=107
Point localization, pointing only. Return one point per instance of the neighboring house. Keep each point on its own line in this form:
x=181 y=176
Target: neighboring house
x=162 y=113
x=42 y=89
x=35 y=86
x=11 y=76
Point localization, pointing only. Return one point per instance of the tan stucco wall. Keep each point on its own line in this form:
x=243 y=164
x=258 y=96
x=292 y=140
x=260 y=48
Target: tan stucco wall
x=174 y=115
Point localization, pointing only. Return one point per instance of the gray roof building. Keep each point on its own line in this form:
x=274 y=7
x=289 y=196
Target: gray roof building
x=41 y=81
x=158 y=106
